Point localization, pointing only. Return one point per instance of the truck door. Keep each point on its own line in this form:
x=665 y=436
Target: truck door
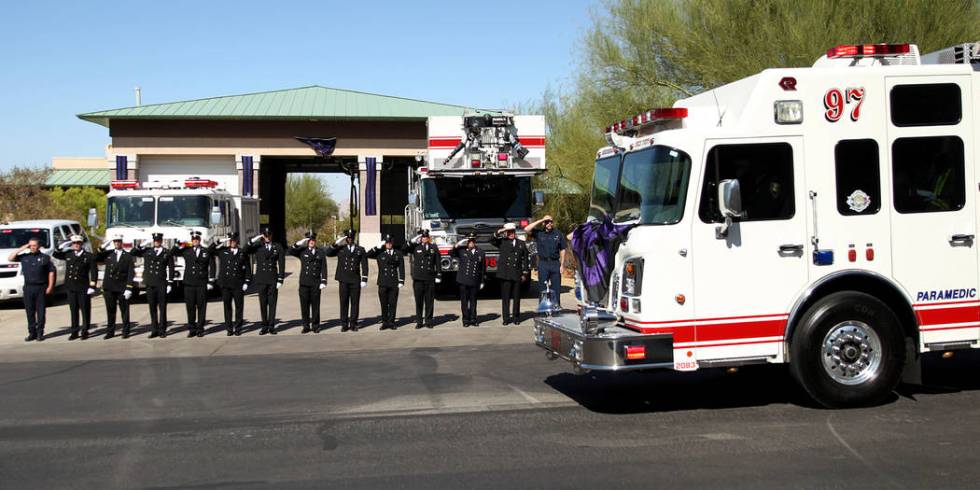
x=746 y=281
x=933 y=218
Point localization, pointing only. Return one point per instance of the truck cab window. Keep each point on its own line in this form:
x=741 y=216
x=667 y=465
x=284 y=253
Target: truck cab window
x=928 y=174
x=933 y=104
x=653 y=186
x=765 y=174
x=858 y=177
x=604 y=185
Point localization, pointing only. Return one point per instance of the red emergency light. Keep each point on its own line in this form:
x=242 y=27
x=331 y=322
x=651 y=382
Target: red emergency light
x=648 y=117
x=636 y=352
x=124 y=184
x=859 y=50
x=501 y=157
x=198 y=183
x=475 y=163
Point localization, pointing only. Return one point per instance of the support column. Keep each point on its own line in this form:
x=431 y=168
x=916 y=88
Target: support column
x=248 y=187
x=370 y=232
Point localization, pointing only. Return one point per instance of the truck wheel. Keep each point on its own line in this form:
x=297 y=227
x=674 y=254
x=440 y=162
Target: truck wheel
x=848 y=350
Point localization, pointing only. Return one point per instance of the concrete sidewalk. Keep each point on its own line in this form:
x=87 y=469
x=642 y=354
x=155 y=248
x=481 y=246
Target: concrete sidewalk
x=448 y=330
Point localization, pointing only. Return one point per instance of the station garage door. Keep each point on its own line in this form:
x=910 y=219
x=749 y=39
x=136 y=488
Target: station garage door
x=166 y=168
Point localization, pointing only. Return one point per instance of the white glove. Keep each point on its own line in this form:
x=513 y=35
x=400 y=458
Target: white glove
x=127 y=294
x=438 y=280
x=245 y=287
x=147 y=244
x=64 y=245
x=209 y=287
x=481 y=285
x=278 y=285
x=340 y=241
x=400 y=285
x=90 y=291
x=256 y=238
x=381 y=244
x=363 y=284
x=322 y=285
x=417 y=239
x=106 y=245
x=302 y=242
x=168 y=289
x=462 y=243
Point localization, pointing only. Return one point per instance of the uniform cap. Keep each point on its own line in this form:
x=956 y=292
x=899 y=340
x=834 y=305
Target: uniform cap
x=233 y=236
x=157 y=236
x=388 y=238
x=195 y=234
x=117 y=237
x=471 y=237
x=349 y=233
x=266 y=230
x=510 y=227
x=311 y=235
x=425 y=233
x=76 y=239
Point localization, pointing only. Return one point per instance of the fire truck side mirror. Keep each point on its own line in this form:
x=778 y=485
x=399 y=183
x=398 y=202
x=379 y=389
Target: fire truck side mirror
x=729 y=204
x=93 y=218
x=216 y=215
x=538 y=198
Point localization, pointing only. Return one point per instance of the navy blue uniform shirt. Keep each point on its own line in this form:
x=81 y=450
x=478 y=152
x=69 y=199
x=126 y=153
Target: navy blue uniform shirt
x=550 y=244
x=35 y=268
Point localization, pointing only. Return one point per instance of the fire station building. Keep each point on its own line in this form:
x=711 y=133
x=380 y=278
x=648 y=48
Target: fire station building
x=248 y=143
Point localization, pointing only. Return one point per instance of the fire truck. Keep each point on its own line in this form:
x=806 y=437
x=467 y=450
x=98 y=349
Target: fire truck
x=136 y=210
x=475 y=176
x=823 y=217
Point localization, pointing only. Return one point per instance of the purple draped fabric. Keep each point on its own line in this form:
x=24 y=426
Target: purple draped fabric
x=122 y=167
x=247 y=169
x=594 y=245
x=371 y=169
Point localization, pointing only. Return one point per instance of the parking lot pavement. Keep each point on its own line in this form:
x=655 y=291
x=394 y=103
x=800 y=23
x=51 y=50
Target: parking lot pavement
x=448 y=330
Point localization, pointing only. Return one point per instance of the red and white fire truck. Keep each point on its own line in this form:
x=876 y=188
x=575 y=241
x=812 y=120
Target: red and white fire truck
x=823 y=217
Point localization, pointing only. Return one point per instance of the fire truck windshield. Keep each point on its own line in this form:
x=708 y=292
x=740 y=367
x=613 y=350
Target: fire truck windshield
x=183 y=211
x=130 y=211
x=604 y=186
x=476 y=197
x=653 y=186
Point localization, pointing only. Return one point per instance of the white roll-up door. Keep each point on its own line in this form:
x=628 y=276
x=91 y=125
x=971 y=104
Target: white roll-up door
x=220 y=168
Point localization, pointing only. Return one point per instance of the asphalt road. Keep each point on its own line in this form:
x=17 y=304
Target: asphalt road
x=466 y=416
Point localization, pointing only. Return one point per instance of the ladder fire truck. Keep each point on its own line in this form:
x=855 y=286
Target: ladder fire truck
x=823 y=217
x=475 y=176
x=136 y=210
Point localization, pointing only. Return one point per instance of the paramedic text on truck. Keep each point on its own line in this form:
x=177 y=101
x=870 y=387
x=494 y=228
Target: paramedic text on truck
x=824 y=217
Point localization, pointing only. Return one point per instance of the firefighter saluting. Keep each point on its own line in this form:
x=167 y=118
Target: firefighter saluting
x=158 y=278
x=270 y=271
x=234 y=276
x=391 y=277
x=117 y=284
x=198 y=281
x=469 y=276
x=312 y=279
x=425 y=275
x=81 y=276
x=513 y=269
x=351 y=275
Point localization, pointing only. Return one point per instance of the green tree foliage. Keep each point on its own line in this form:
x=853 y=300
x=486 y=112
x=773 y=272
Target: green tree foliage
x=308 y=205
x=74 y=203
x=641 y=54
x=22 y=193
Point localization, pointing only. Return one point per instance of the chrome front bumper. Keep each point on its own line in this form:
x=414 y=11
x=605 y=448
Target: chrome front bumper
x=563 y=337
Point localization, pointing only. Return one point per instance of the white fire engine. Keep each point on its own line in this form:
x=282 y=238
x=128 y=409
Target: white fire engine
x=136 y=210
x=824 y=217
x=476 y=177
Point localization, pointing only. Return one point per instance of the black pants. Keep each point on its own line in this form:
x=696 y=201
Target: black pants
x=425 y=292
x=233 y=296
x=80 y=302
x=35 y=305
x=467 y=303
x=112 y=300
x=196 y=300
x=510 y=292
x=156 y=298
x=350 y=300
x=388 y=296
x=268 y=296
x=309 y=305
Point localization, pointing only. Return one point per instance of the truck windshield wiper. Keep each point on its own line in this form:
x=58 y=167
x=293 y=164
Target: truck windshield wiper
x=127 y=225
x=172 y=222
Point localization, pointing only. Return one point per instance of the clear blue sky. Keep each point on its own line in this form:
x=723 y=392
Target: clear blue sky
x=63 y=58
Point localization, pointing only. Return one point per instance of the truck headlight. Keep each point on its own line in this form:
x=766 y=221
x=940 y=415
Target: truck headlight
x=633 y=277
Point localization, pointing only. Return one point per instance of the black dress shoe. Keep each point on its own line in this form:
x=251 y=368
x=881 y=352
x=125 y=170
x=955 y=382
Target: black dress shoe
x=263 y=331
x=418 y=326
x=200 y=333
x=344 y=328
x=465 y=324
x=191 y=333
x=429 y=326
x=40 y=337
x=230 y=332
x=163 y=334
x=238 y=332
x=109 y=335
x=272 y=331
x=316 y=329
x=306 y=329
x=30 y=338
x=73 y=336
x=354 y=328
x=154 y=334
x=125 y=335
x=84 y=334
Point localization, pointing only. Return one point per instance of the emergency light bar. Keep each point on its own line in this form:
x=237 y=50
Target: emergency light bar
x=859 y=50
x=197 y=183
x=124 y=184
x=649 y=117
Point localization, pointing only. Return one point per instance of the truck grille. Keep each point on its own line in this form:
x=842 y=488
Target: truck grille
x=6 y=274
x=484 y=233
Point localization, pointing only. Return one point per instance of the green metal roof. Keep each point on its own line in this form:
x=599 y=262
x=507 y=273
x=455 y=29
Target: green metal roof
x=72 y=177
x=313 y=102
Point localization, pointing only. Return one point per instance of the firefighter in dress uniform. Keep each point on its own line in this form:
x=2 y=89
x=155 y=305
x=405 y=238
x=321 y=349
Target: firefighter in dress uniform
x=81 y=276
x=118 y=284
x=234 y=276
x=270 y=271
x=472 y=268
x=158 y=279
x=426 y=272
x=312 y=279
x=391 y=277
x=513 y=269
x=198 y=281
x=39 y=274
x=351 y=275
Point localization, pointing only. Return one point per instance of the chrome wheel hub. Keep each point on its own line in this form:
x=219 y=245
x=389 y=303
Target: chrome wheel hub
x=851 y=353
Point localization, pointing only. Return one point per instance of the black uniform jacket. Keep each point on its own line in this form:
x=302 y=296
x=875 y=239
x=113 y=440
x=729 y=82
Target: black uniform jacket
x=425 y=261
x=158 y=267
x=514 y=260
x=234 y=268
x=472 y=266
x=81 y=272
x=270 y=262
x=391 y=267
x=119 y=273
x=349 y=263
x=313 y=265
x=198 y=264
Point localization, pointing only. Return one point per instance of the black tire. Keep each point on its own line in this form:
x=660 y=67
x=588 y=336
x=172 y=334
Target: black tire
x=848 y=314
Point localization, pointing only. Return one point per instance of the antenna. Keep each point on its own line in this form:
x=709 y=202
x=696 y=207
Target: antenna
x=139 y=97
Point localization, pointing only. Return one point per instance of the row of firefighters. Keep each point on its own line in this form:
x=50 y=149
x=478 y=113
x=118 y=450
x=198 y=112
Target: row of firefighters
x=228 y=266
